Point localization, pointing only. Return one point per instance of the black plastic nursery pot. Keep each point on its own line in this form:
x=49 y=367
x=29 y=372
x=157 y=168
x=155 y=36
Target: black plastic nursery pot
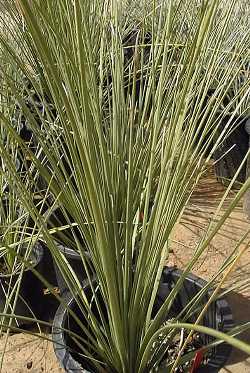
x=73 y=257
x=48 y=301
x=75 y=261
x=28 y=303
x=231 y=153
x=218 y=317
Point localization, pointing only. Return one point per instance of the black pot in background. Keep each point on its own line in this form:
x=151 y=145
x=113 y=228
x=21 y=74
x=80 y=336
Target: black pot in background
x=56 y=220
x=48 y=302
x=76 y=263
x=218 y=317
x=30 y=290
x=227 y=165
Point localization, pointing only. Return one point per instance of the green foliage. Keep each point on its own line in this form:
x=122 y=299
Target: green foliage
x=124 y=129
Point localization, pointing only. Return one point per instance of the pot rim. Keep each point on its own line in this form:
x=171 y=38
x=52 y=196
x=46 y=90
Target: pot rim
x=71 y=253
x=60 y=348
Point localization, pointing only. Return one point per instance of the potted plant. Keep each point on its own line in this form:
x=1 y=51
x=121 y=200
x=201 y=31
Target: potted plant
x=123 y=152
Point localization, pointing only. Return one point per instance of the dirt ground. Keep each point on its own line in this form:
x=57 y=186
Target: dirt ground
x=24 y=353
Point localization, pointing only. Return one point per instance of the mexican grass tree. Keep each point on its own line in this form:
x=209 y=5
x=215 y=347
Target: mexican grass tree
x=126 y=131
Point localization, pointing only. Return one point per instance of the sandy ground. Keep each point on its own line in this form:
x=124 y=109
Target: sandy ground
x=24 y=353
